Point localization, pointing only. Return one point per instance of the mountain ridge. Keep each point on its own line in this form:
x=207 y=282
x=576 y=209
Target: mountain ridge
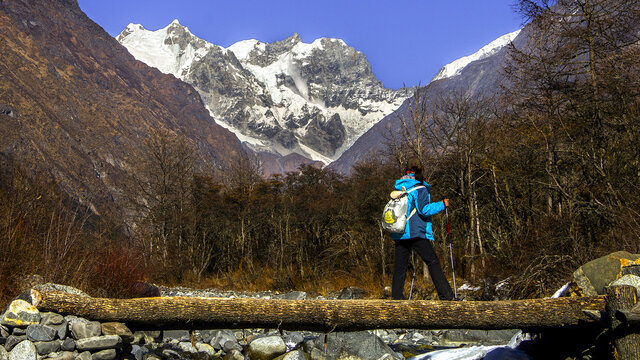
x=288 y=96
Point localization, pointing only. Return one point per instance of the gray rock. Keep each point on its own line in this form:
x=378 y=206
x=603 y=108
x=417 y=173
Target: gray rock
x=594 y=276
x=63 y=355
x=117 y=328
x=47 y=347
x=477 y=337
x=187 y=347
x=266 y=348
x=57 y=322
x=293 y=355
x=292 y=339
x=631 y=280
x=13 y=340
x=4 y=331
x=146 y=337
x=180 y=335
x=363 y=345
x=505 y=353
x=352 y=292
x=293 y=295
x=108 y=354
x=68 y=344
x=204 y=336
x=233 y=355
x=39 y=332
x=82 y=328
x=86 y=355
x=98 y=343
x=50 y=318
x=221 y=337
x=19 y=331
x=138 y=352
x=168 y=354
x=25 y=350
x=20 y=314
x=58 y=287
x=231 y=345
x=4 y=354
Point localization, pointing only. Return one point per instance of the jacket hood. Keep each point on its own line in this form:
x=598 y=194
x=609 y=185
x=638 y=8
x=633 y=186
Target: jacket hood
x=409 y=183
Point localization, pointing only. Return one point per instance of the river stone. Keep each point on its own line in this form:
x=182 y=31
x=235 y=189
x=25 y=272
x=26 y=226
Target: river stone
x=86 y=355
x=98 y=343
x=180 y=335
x=108 y=354
x=50 y=318
x=220 y=337
x=146 y=337
x=593 y=277
x=631 y=280
x=19 y=331
x=266 y=348
x=63 y=355
x=292 y=295
x=20 y=314
x=292 y=339
x=68 y=344
x=25 y=350
x=362 y=345
x=117 y=328
x=233 y=355
x=4 y=354
x=83 y=328
x=352 y=292
x=293 y=355
x=13 y=340
x=476 y=337
x=4 y=331
x=47 y=347
x=231 y=345
x=39 y=332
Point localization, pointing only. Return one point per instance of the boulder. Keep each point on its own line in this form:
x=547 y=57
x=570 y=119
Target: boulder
x=266 y=348
x=14 y=340
x=353 y=345
x=4 y=354
x=39 y=332
x=108 y=354
x=117 y=328
x=68 y=344
x=25 y=350
x=56 y=322
x=83 y=328
x=593 y=277
x=233 y=355
x=221 y=337
x=293 y=355
x=352 y=292
x=47 y=347
x=86 y=355
x=98 y=343
x=20 y=314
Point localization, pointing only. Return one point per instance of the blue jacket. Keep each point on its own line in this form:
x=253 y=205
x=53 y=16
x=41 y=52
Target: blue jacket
x=419 y=225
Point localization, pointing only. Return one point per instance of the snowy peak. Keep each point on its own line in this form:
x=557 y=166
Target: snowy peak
x=314 y=99
x=454 y=68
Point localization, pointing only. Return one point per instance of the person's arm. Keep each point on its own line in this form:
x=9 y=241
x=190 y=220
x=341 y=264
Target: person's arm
x=427 y=208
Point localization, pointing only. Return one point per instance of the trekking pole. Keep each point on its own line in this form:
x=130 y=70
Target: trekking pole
x=453 y=271
x=413 y=278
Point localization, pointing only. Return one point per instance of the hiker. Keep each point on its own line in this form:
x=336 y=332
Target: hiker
x=418 y=233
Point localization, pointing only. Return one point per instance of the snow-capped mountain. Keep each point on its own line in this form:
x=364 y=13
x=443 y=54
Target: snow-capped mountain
x=284 y=97
x=455 y=68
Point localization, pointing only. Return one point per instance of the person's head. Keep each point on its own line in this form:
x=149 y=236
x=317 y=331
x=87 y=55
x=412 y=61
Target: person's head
x=414 y=166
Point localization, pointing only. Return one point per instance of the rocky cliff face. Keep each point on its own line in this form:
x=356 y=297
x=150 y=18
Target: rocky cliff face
x=477 y=74
x=77 y=106
x=285 y=97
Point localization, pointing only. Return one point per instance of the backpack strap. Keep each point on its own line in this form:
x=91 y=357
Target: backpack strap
x=415 y=207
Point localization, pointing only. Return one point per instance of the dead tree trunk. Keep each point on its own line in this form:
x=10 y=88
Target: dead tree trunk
x=323 y=315
x=626 y=337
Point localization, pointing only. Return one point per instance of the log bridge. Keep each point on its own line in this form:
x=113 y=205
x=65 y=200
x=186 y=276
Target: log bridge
x=615 y=310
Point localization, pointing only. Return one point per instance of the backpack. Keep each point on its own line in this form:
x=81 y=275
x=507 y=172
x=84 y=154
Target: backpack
x=394 y=216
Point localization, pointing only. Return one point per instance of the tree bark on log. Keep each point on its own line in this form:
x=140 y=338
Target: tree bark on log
x=323 y=315
x=626 y=338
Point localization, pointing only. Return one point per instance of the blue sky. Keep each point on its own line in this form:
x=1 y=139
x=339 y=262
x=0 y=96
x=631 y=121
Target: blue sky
x=406 y=41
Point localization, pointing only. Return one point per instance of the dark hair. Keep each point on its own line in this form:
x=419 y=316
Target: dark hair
x=418 y=173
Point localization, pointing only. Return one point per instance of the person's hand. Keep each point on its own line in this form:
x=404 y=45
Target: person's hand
x=446 y=202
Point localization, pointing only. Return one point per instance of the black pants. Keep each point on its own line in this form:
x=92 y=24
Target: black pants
x=424 y=248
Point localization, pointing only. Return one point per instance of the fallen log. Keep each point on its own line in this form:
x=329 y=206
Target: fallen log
x=323 y=315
